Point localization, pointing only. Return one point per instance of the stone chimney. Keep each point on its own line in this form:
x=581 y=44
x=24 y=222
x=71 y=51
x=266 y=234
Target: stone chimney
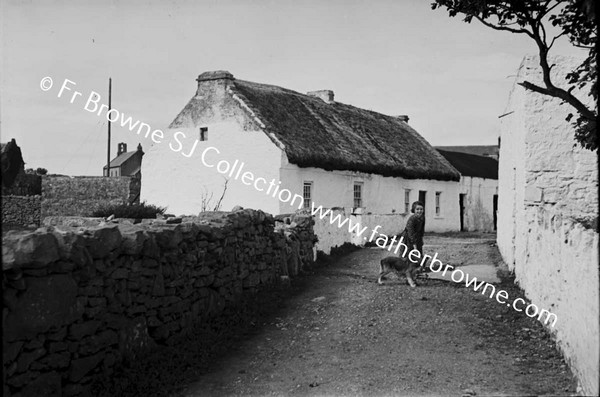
x=122 y=148
x=403 y=117
x=216 y=76
x=325 y=95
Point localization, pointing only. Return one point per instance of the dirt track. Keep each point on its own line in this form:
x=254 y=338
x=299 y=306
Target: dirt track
x=340 y=333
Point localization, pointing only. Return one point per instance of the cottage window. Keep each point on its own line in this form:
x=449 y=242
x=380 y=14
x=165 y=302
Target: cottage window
x=406 y=201
x=307 y=194
x=203 y=133
x=358 y=188
x=437 y=203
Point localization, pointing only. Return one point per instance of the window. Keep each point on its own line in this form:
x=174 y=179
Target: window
x=358 y=202
x=203 y=133
x=437 y=203
x=406 y=201
x=307 y=194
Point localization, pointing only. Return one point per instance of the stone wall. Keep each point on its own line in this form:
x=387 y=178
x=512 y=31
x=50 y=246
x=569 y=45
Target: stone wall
x=548 y=198
x=24 y=185
x=81 y=195
x=78 y=301
x=560 y=273
x=331 y=235
x=21 y=210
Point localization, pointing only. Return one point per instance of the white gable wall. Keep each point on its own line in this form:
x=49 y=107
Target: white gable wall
x=547 y=185
x=170 y=179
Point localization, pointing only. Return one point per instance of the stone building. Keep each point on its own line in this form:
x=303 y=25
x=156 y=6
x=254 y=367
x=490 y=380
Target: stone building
x=311 y=147
x=478 y=195
x=548 y=214
x=126 y=163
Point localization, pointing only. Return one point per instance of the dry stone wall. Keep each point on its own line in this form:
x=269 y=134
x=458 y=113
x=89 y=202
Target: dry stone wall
x=81 y=195
x=78 y=301
x=21 y=210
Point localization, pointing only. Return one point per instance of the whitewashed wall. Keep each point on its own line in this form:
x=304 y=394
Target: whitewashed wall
x=547 y=183
x=170 y=179
x=479 y=203
x=381 y=195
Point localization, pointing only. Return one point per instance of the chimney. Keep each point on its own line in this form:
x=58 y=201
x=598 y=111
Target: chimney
x=216 y=76
x=122 y=148
x=325 y=95
x=403 y=117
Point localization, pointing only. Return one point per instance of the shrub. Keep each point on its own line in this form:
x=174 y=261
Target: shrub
x=135 y=211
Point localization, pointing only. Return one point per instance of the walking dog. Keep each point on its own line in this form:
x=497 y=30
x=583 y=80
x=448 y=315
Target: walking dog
x=397 y=265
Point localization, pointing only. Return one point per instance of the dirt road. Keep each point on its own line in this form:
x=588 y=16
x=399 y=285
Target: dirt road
x=342 y=334
x=335 y=332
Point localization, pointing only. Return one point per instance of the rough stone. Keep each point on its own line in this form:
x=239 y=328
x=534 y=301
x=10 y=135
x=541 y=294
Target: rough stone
x=78 y=331
x=102 y=240
x=39 y=308
x=82 y=366
x=29 y=249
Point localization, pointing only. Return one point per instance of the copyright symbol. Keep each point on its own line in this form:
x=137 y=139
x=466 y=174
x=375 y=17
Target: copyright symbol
x=46 y=83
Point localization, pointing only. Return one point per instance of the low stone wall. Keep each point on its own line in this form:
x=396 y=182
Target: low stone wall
x=560 y=273
x=81 y=195
x=21 y=210
x=77 y=301
x=331 y=235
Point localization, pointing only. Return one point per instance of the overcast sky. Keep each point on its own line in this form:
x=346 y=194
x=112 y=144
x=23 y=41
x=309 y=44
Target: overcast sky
x=391 y=56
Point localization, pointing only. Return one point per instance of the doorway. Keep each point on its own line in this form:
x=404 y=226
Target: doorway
x=422 y=195
x=495 y=207
x=461 y=205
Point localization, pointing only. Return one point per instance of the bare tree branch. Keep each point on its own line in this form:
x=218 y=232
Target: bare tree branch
x=561 y=94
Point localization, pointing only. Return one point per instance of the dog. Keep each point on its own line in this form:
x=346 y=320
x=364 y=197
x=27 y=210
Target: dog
x=397 y=265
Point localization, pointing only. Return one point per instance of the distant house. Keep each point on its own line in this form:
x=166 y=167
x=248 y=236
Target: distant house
x=308 y=147
x=478 y=197
x=126 y=163
x=479 y=150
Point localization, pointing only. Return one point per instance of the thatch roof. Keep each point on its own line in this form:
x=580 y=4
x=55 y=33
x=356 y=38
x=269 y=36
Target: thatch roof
x=472 y=165
x=333 y=136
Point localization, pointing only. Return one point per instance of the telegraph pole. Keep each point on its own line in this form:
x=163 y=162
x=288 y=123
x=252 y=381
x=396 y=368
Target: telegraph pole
x=109 y=123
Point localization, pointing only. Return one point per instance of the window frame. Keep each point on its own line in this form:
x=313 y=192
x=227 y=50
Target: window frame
x=203 y=134
x=360 y=198
x=309 y=184
x=438 y=203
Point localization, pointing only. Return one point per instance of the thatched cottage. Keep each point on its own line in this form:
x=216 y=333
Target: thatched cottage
x=297 y=149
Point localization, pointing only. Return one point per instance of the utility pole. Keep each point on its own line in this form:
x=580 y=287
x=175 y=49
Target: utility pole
x=109 y=123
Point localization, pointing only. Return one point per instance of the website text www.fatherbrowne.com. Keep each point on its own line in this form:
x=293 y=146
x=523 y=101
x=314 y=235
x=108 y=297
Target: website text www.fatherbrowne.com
x=272 y=188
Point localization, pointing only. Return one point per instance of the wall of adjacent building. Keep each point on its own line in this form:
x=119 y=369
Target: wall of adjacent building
x=381 y=196
x=547 y=221
x=478 y=203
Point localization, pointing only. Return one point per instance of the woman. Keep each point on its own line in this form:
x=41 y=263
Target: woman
x=415 y=228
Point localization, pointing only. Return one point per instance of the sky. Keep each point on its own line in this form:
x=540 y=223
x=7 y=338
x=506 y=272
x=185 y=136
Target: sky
x=390 y=56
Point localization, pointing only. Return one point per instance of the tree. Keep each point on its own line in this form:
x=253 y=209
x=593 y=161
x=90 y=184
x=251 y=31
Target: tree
x=575 y=19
